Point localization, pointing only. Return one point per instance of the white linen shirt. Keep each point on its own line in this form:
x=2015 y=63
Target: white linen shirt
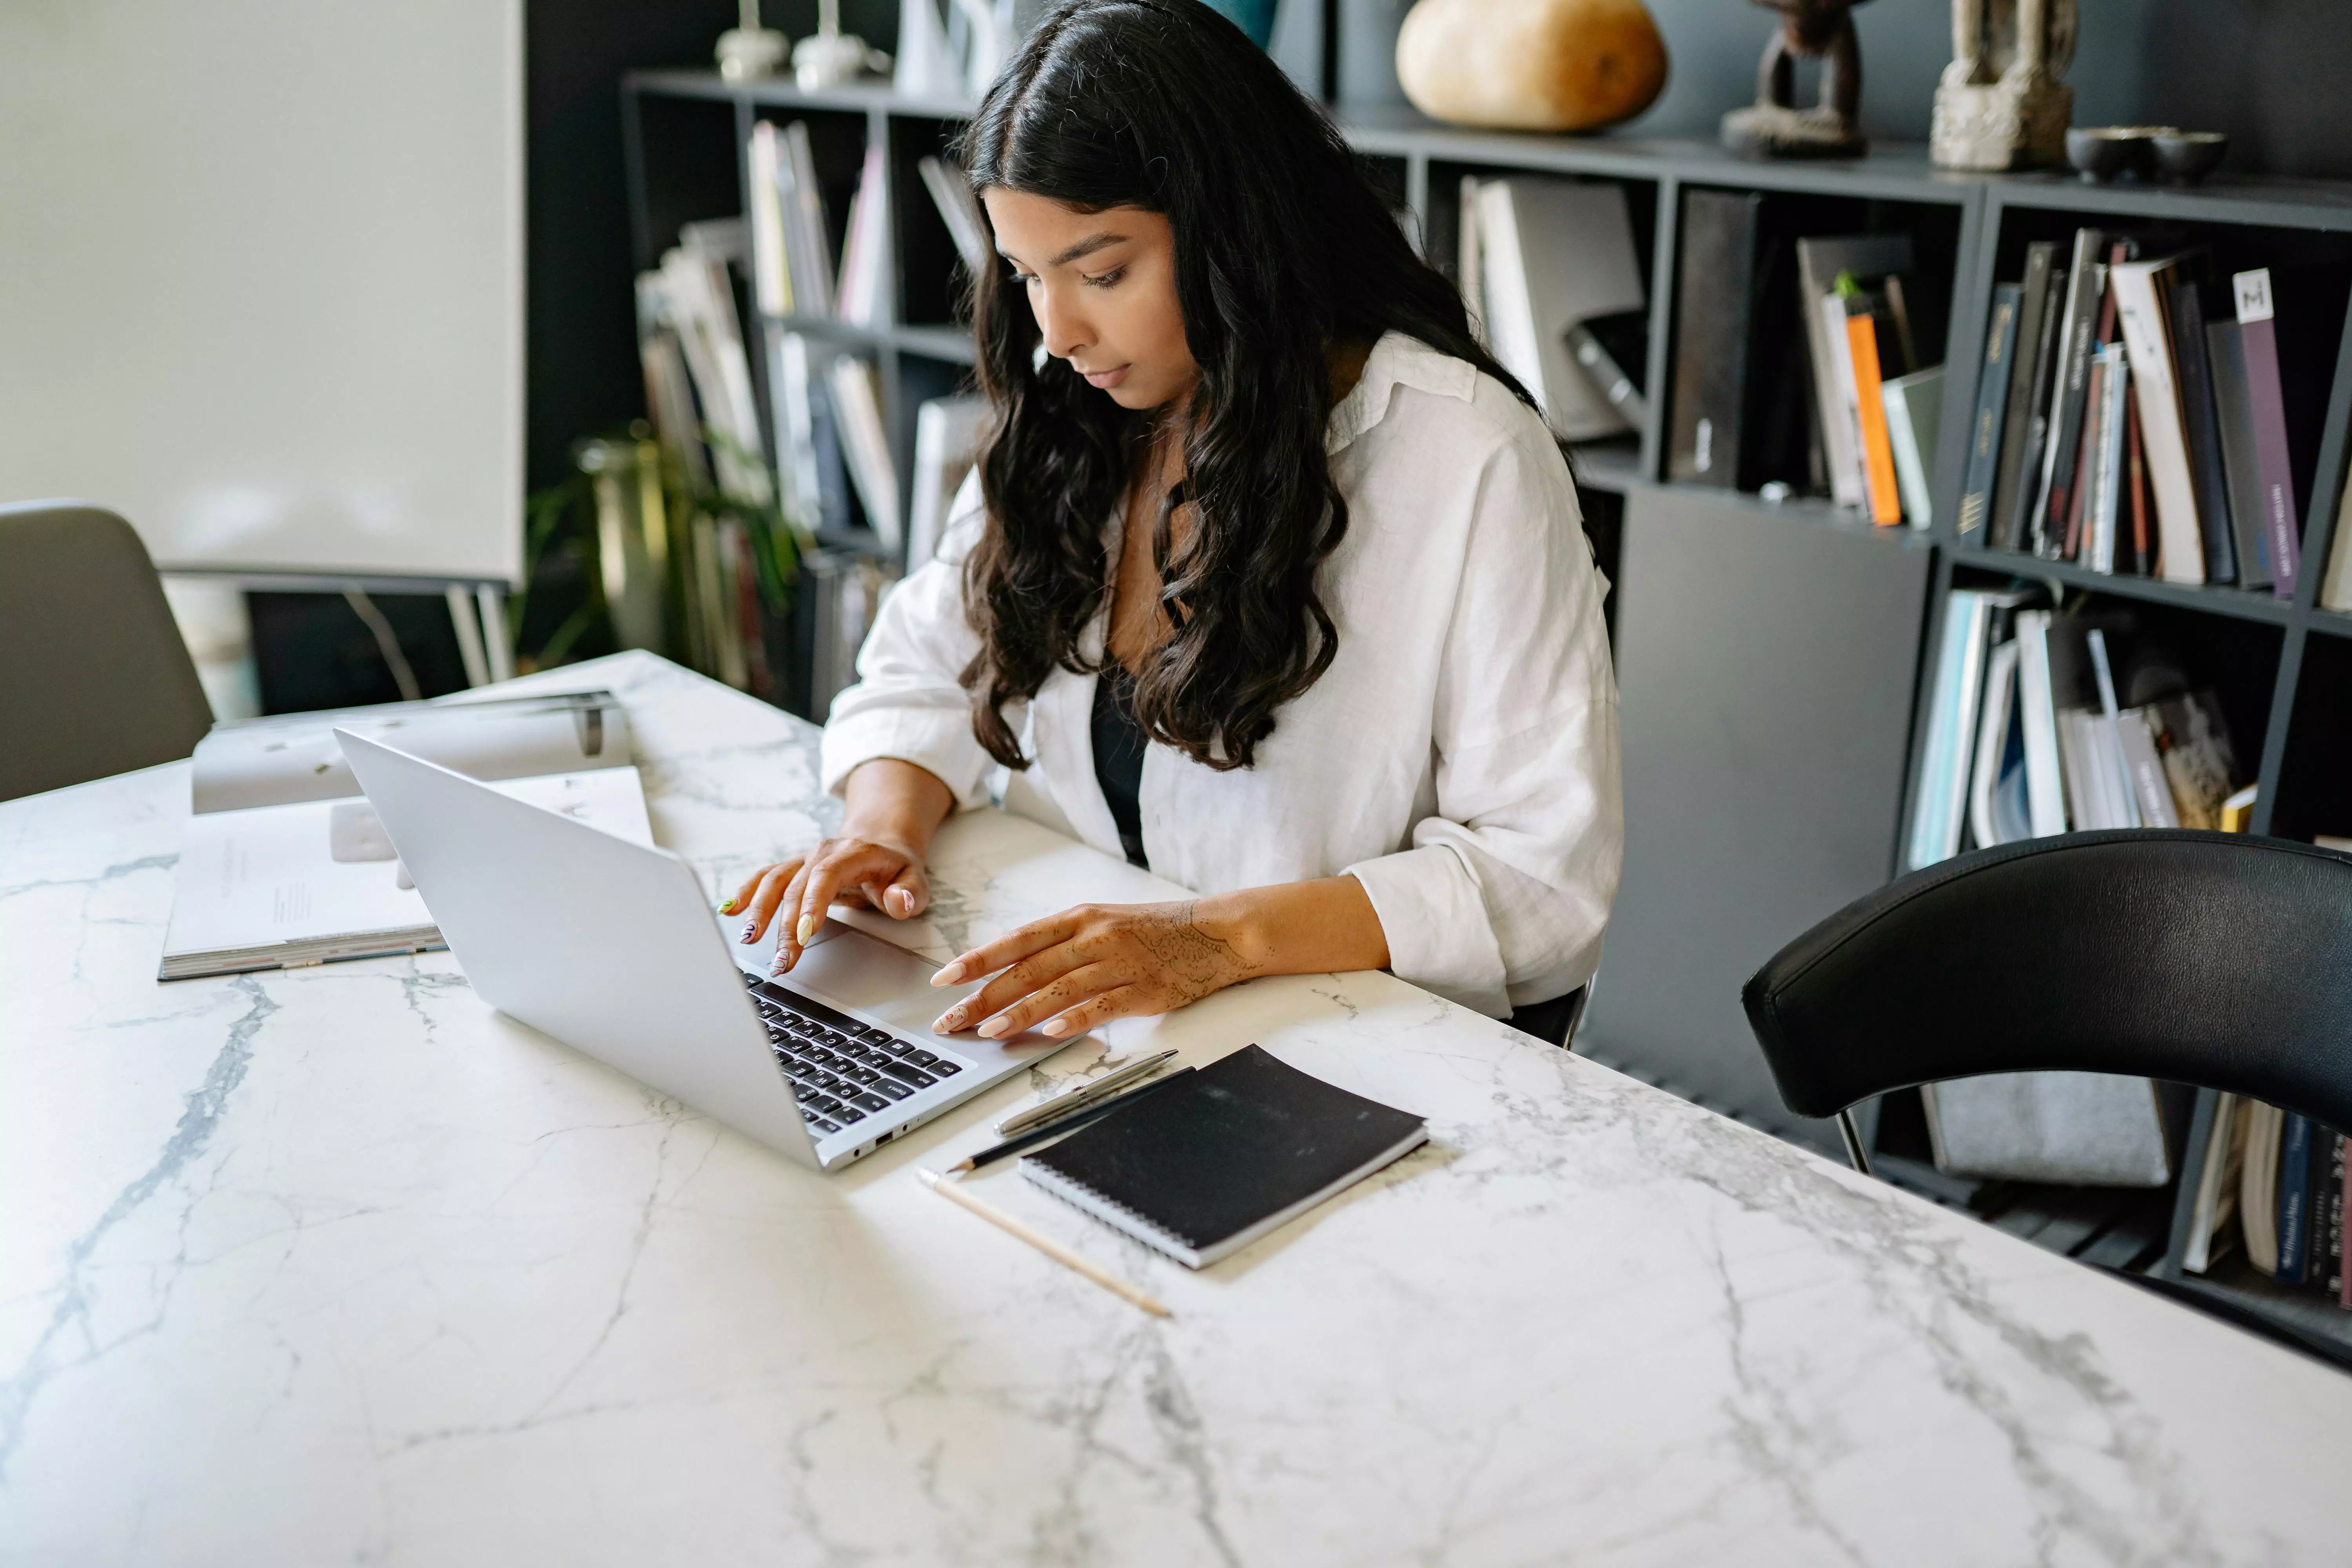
x=1459 y=756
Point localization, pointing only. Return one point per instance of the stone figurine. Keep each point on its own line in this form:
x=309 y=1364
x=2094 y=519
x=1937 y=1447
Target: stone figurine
x=1773 y=126
x=2001 y=104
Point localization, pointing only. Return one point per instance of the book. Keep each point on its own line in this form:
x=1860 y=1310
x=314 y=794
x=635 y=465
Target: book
x=967 y=224
x=2105 y=495
x=2234 y=419
x=1997 y=811
x=1469 y=266
x=696 y=299
x=1205 y=1166
x=857 y=407
x=2038 y=715
x=1885 y=498
x=1731 y=419
x=284 y=864
x=2340 y=1200
x=772 y=281
x=1991 y=422
x=2266 y=400
x=2293 y=1199
x=1936 y=818
x=2136 y=481
x=1914 y=404
x=2151 y=789
x=835 y=600
x=2070 y=383
x=2258 y=1188
x=1554 y=253
x=1820 y=260
x=2024 y=418
x=946 y=435
x=2141 y=288
x=2217 y=1186
x=2237 y=815
x=862 y=296
x=808 y=242
x=2192 y=370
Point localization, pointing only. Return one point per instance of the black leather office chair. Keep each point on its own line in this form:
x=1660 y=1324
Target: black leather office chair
x=2210 y=959
x=94 y=678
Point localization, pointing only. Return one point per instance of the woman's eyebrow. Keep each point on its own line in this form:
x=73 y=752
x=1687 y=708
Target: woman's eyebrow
x=1086 y=246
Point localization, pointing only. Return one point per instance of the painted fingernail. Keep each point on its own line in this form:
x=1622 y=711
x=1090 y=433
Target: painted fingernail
x=807 y=927
x=949 y=976
x=1053 y=1025
x=902 y=901
x=993 y=1028
x=749 y=930
x=726 y=906
x=948 y=1022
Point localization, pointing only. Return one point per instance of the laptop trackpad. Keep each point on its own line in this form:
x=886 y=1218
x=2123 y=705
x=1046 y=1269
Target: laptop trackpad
x=845 y=965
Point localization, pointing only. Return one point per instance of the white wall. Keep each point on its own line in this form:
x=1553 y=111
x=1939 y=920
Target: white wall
x=261 y=276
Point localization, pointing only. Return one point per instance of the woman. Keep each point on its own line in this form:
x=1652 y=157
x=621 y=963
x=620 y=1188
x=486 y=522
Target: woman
x=1269 y=577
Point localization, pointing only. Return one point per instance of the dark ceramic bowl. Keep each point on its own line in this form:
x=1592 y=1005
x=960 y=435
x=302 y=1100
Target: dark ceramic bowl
x=2104 y=152
x=2188 y=157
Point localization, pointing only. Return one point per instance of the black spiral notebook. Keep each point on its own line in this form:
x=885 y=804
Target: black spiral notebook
x=1211 y=1163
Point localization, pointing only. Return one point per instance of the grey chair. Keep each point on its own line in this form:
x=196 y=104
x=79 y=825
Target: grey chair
x=94 y=678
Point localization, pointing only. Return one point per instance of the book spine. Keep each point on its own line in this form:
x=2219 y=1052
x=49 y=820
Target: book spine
x=2225 y=360
x=2341 y=1205
x=1718 y=261
x=2070 y=385
x=1992 y=402
x=2016 y=520
x=2018 y=405
x=2141 y=311
x=2325 y=1267
x=2195 y=380
x=2086 y=461
x=1469 y=267
x=1936 y=822
x=2044 y=789
x=2109 y=490
x=2258 y=335
x=2293 y=1199
x=1878 y=454
x=2138 y=479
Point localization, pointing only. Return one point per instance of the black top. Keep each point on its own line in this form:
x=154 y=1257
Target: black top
x=1118 y=757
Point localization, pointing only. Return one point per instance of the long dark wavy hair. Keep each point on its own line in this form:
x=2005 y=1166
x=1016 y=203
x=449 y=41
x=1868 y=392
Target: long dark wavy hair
x=1283 y=249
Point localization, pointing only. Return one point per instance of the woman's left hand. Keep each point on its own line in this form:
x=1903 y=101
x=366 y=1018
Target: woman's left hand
x=1087 y=965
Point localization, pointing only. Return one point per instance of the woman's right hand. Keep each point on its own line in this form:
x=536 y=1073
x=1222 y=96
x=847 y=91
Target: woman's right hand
x=877 y=870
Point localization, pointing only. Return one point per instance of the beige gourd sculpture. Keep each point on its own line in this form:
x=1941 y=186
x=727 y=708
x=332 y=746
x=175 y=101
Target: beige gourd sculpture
x=1531 y=65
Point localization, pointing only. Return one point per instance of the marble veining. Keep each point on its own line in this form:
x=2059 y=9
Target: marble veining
x=337 y=1265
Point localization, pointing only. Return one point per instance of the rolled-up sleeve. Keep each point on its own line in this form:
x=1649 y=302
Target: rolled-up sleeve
x=908 y=703
x=1502 y=896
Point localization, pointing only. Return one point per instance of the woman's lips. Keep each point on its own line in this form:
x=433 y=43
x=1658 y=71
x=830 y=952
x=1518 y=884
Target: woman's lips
x=1104 y=380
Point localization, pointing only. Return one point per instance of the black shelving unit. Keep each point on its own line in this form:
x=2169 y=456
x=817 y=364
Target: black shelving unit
x=2285 y=665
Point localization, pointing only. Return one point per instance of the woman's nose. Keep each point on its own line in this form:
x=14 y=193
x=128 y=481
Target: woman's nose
x=1063 y=327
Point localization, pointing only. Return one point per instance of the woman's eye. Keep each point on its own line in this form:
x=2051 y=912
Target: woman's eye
x=1024 y=278
x=1103 y=280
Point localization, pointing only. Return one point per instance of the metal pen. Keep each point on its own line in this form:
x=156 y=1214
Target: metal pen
x=1063 y=1126
x=1078 y=1099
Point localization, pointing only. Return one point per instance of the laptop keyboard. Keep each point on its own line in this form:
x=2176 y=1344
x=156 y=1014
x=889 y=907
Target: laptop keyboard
x=841 y=1070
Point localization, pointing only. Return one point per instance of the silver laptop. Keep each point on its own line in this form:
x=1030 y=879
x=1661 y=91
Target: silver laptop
x=611 y=947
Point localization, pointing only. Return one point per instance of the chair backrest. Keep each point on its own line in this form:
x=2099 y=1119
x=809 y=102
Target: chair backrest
x=94 y=678
x=2210 y=959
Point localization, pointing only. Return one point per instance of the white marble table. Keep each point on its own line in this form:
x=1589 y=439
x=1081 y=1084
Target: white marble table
x=340 y=1266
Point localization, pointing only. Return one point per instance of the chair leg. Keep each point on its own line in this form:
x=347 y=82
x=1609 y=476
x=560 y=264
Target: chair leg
x=1858 y=1156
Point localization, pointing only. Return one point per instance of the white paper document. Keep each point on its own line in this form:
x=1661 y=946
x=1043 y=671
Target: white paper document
x=285 y=863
